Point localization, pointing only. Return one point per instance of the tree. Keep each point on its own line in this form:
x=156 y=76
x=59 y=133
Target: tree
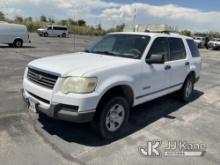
x=81 y=22
x=99 y=27
x=120 y=28
x=18 y=19
x=51 y=20
x=72 y=22
x=43 y=18
x=2 y=16
x=28 y=19
x=186 y=33
x=63 y=22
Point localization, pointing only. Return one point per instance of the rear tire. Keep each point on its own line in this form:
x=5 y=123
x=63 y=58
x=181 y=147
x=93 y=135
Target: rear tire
x=64 y=35
x=112 y=117
x=18 y=43
x=187 y=89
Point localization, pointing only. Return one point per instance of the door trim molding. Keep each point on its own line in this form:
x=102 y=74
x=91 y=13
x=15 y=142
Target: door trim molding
x=161 y=90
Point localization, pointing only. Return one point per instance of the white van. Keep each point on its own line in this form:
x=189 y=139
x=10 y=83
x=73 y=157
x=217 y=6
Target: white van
x=54 y=30
x=13 y=34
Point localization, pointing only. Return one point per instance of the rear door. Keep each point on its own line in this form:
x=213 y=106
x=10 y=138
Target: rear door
x=179 y=65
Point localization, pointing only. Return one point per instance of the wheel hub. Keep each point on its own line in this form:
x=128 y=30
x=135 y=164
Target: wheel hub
x=115 y=118
x=188 y=89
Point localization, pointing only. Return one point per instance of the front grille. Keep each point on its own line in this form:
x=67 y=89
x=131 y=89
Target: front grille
x=42 y=78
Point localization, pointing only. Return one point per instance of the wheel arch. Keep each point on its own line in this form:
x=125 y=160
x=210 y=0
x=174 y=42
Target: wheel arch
x=118 y=90
x=18 y=38
x=192 y=73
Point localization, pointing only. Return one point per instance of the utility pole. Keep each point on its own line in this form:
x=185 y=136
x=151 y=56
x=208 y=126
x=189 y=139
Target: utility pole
x=135 y=15
x=74 y=34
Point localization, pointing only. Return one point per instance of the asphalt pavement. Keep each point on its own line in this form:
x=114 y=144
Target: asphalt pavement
x=31 y=139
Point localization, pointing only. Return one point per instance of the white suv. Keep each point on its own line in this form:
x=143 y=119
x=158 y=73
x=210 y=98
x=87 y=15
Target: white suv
x=120 y=71
x=56 y=31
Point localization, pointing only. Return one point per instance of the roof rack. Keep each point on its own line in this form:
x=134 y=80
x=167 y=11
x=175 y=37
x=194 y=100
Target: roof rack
x=163 y=28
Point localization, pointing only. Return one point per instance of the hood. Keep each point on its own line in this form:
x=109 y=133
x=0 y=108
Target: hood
x=77 y=64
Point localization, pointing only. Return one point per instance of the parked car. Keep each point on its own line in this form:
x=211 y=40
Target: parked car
x=214 y=43
x=200 y=41
x=56 y=31
x=13 y=35
x=120 y=71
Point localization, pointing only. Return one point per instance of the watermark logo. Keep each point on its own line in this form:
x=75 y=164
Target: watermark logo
x=151 y=149
x=172 y=148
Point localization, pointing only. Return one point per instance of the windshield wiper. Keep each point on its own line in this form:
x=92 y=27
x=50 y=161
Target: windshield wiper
x=104 y=52
x=87 y=51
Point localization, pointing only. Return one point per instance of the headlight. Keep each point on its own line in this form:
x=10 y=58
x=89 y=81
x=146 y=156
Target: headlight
x=79 y=85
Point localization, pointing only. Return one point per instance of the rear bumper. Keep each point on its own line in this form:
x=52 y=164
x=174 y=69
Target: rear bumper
x=59 y=111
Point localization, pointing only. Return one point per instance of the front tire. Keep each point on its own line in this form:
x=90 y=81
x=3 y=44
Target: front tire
x=64 y=35
x=45 y=34
x=112 y=118
x=187 y=89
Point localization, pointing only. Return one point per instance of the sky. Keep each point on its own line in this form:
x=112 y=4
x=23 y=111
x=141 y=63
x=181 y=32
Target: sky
x=196 y=15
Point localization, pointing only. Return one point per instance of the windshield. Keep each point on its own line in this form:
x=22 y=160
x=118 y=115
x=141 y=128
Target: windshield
x=122 y=45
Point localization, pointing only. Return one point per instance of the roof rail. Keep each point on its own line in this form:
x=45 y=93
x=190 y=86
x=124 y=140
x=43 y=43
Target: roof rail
x=163 y=28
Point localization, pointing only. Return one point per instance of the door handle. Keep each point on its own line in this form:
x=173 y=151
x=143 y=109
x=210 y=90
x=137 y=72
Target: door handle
x=187 y=63
x=167 y=67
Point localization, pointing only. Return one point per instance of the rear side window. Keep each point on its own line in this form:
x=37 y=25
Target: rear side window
x=193 y=48
x=59 y=28
x=177 y=49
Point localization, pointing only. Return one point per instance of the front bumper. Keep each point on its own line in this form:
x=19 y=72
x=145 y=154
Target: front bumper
x=59 y=111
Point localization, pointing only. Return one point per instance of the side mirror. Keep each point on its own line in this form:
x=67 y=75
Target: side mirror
x=156 y=59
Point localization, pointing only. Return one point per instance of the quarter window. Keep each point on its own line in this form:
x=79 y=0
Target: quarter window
x=177 y=49
x=193 y=48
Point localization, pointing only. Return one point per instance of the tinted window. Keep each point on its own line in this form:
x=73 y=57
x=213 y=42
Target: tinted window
x=193 y=48
x=59 y=28
x=49 y=28
x=160 y=46
x=177 y=49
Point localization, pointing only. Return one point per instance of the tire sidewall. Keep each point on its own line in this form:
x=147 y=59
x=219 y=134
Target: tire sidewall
x=18 y=46
x=45 y=34
x=185 y=98
x=102 y=120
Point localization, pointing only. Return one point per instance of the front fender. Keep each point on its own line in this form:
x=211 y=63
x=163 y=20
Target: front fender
x=111 y=82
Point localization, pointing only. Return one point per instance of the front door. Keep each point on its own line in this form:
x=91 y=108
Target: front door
x=156 y=77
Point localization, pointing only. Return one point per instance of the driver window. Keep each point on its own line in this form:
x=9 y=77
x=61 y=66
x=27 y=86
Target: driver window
x=160 y=46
